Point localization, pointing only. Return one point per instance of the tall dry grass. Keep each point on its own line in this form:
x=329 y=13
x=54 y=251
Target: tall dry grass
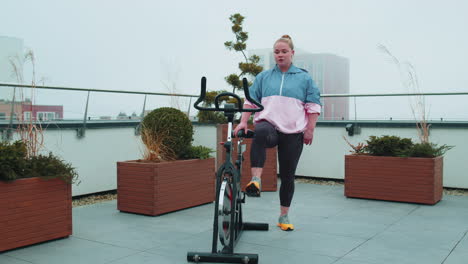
x=154 y=147
x=410 y=81
x=30 y=131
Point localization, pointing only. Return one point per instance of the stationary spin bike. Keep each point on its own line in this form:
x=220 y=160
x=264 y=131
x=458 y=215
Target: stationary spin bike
x=228 y=223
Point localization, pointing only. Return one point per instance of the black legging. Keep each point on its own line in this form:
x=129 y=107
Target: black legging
x=289 y=151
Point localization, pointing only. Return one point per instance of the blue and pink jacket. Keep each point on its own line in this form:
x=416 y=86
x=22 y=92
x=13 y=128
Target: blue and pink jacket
x=287 y=98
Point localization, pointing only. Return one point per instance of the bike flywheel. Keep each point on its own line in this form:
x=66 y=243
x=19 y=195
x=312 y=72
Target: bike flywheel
x=225 y=209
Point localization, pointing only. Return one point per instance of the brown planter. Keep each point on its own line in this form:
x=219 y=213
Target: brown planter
x=415 y=180
x=34 y=210
x=269 y=175
x=156 y=188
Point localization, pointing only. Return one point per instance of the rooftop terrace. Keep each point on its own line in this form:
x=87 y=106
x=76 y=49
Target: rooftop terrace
x=330 y=228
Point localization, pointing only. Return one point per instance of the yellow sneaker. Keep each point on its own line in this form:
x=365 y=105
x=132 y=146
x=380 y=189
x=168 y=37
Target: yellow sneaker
x=254 y=187
x=283 y=223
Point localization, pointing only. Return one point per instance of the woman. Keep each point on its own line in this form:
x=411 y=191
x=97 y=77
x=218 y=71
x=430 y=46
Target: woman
x=292 y=106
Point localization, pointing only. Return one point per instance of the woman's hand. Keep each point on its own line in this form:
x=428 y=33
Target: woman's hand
x=241 y=125
x=309 y=132
x=308 y=136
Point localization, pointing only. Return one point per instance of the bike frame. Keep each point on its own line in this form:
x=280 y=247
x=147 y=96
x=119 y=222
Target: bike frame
x=234 y=171
x=231 y=172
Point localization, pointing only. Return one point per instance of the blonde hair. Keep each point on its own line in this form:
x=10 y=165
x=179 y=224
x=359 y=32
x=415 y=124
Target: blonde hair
x=286 y=39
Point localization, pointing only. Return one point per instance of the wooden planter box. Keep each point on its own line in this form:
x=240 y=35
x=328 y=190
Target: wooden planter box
x=269 y=176
x=33 y=210
x=415 y=180
x=156 y=188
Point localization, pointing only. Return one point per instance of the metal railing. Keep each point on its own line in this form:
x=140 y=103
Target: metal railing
x=82 y=130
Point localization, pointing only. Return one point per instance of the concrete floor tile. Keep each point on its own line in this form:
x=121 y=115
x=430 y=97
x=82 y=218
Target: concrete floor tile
x=350 y=261
x=5 y=259
x=306 y=241
x=71 y=251
x=147 y=258
x=273 y=255
x=383 y=252
x=459 y=255
x=330 y=228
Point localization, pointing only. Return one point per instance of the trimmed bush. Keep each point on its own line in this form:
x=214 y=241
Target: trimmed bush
x=167 y=133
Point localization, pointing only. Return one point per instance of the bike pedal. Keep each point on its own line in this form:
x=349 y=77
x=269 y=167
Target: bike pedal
x=241 y=200
x=253 y=194
x=252 y=191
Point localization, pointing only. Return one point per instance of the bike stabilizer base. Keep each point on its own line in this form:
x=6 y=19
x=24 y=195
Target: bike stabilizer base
x=222 y=257
x=255 y=226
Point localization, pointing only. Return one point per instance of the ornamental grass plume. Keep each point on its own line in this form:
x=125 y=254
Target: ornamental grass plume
x=410 y=81
x=30 y=131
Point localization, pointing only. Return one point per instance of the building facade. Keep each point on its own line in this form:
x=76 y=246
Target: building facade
x=28 y=111
x=329 y=71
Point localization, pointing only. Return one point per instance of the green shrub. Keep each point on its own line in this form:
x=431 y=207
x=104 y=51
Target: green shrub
x=394 y=146
x=198 y=152
x=167 y=133
x=427 y=150
x=388 y=146
x=12 y=160
x=14 y=164
x=211 y=117
x=50 y=167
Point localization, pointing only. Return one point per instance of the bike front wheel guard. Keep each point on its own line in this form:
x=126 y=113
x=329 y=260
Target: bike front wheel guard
x=225 y=209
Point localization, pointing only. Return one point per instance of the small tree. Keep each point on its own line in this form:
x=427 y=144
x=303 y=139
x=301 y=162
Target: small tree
x=250 y=66
x=209 y=116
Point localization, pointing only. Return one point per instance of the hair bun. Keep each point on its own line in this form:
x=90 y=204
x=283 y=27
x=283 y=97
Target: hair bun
x=286 y=39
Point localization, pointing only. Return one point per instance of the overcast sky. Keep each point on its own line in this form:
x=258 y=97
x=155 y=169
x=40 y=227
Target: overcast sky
x=140 y=45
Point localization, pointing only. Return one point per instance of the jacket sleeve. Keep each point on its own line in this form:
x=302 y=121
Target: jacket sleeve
x=255 y=91
x=312 y=104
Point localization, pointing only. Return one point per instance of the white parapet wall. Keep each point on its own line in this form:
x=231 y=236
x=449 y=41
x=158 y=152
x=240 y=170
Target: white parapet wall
x=325 y=157
x=95 y=155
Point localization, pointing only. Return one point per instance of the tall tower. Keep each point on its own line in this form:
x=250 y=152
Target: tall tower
x=10 y=49
x=329 y=71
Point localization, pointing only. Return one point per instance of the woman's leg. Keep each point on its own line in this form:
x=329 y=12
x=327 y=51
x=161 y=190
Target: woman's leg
x=266 y=136
x=289 y=151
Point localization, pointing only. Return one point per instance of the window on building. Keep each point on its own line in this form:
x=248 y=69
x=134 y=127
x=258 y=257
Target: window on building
x=51 y=116
x=2 y=116
x=45 y=116
x=27 y=116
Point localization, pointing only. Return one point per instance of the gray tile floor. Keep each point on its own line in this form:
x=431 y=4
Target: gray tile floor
x=330 y=228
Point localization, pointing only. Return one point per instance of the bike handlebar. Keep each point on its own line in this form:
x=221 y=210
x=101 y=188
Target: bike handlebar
x=239 y=108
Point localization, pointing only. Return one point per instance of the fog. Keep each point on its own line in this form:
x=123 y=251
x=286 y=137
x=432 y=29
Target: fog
x=149 y=45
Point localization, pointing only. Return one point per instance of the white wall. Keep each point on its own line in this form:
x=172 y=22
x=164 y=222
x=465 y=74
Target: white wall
x=95 y=155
